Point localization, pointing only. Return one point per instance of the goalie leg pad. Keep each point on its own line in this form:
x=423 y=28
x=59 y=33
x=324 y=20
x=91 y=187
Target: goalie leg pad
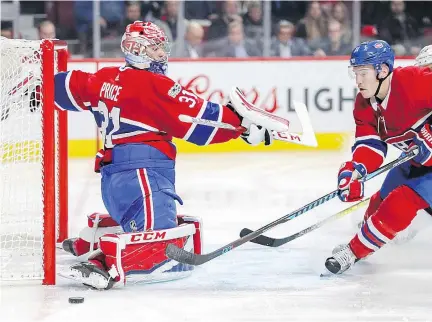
x=198 y=235
x=137 y=257
x=145 y=259
x=395 y=214
x=98 y=225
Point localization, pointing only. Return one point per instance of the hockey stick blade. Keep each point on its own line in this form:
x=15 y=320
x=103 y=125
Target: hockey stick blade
x=307 y=138
x=276 y=242
x=186 y=257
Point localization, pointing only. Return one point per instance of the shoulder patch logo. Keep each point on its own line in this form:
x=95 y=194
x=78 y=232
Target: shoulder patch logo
x=175 y=90
x=378 y=45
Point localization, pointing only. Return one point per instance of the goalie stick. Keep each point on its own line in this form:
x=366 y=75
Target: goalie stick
x=276 y=242
x=307 y=138
x=186 y=257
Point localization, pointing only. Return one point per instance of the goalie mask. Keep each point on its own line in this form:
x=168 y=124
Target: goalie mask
x=146 y=46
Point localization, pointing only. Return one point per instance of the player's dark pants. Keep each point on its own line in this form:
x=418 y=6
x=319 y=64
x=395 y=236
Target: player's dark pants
x=138 y=188
x=418 y=179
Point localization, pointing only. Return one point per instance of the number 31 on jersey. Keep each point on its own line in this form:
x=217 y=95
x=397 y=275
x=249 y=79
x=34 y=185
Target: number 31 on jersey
x=110 y=123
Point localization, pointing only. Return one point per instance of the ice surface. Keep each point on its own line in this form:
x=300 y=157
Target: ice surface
x=251 y=283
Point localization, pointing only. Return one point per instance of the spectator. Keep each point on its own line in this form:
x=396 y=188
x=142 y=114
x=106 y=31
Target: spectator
x=287 y=10
x=313 y=27
x=235 y=45
x=133 y=13
x=46 y=30
x=334 y=44
x=252 y=21
x=368 y=32
x=170 y=17
x=285 y=45
x=192 y=42
x=339 y=12
x=199 y=9
x=6 y=29
x=112 y=13
x=373 y=12
x=150 y=10
x=400 y=28
x=111 y=16
x=219 y=26
x=399 y=50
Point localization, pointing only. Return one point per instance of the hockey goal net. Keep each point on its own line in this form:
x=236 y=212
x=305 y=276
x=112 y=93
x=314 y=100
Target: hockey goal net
x=33 y=159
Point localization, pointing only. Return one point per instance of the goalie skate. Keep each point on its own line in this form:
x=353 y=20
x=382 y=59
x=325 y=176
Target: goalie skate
x=91 y=274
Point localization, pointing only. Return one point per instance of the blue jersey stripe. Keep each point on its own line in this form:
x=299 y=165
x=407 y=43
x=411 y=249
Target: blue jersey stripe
x=373 y=143
x=61 y=96
x=201 y=133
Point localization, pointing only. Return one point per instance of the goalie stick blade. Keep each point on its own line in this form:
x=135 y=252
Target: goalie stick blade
x=182 y=256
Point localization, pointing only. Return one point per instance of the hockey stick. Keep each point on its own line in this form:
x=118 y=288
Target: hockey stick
x=186 y=257
x=276 y=242
x=307 y=138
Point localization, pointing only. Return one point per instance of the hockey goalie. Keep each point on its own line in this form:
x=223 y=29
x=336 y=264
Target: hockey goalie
x=137 y=109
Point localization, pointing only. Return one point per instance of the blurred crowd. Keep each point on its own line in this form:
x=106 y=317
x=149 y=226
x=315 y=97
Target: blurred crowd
x=232 y=28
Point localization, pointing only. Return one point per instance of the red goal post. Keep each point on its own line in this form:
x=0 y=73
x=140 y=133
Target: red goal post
x=34 y=155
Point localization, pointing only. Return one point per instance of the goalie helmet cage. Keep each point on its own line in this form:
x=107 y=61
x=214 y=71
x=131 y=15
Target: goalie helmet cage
x=33 y=160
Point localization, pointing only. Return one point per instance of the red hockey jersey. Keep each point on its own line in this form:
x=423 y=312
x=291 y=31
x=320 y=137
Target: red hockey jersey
x=406 y=108
x=135 y=106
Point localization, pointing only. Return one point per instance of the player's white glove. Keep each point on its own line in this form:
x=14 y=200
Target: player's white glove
x=256 y=134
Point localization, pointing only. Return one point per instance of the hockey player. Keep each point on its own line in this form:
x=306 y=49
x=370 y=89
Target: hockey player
x=136 y=108
x=394 y=106
x=424 y=58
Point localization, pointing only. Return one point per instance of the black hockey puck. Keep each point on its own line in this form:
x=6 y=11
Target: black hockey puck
x=76 y=300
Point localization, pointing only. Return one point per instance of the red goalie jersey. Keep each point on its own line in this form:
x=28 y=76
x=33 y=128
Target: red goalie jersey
x=396 y=120
x=136 y=106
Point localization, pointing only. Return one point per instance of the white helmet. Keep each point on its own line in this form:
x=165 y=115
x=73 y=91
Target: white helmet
x=135 y=42
x=424 y=58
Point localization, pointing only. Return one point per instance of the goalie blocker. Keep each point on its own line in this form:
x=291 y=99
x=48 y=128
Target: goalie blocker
x=112 y=258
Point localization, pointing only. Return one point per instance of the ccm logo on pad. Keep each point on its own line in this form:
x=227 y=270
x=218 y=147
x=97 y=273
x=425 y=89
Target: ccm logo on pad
x=147 y=236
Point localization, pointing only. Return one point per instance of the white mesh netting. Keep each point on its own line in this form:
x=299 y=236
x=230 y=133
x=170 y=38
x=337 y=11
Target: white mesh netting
x=21 y=175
